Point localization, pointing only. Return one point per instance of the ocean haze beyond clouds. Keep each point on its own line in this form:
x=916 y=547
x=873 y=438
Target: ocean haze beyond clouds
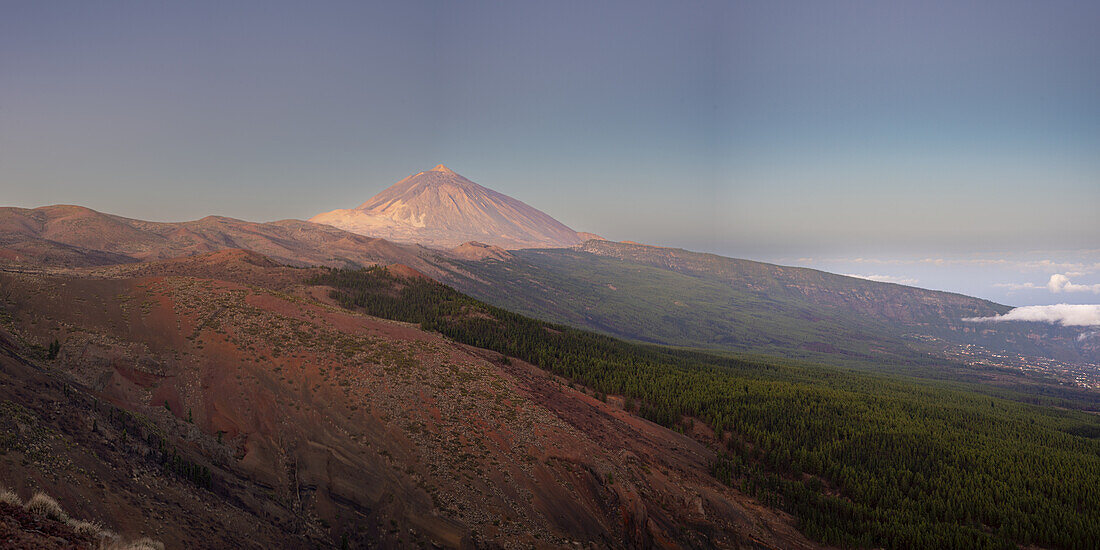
x=1033 y=277
x=762 y=130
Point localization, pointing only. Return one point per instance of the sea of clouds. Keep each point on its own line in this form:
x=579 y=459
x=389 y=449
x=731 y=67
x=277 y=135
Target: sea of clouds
x=1068 y=315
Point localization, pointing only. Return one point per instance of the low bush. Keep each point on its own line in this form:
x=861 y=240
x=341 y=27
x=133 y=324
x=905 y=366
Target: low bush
x=45 y=506
x=86 y=528
x=8 y=496
x=144 y=544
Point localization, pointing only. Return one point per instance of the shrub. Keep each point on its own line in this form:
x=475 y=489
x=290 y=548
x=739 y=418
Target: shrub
x=8 y=496
x=108 y=539
x=53 y=350
x=43 y=505
x=86 y=528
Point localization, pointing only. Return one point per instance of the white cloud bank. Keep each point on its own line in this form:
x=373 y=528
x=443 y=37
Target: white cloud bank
x=1068 y=315
x=1061 y=283
x=886 y=279
x=1058 y=283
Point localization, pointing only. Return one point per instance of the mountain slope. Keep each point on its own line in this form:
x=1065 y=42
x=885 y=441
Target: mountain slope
x=75 y=236
x=901 y=309
x=654 y=294
x=861 y=459
x=236 y=392
x=442 y=209
x=649 y=302
x=319 y=425
x=683 y=298
x=887 y=302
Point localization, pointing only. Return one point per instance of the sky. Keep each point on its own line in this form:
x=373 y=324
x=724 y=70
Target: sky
x=824 y=134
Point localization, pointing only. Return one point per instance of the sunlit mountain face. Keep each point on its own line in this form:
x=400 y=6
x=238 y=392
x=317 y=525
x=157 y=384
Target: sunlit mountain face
x=442 y=209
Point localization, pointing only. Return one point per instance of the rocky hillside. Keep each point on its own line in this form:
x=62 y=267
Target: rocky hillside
x=479 y=251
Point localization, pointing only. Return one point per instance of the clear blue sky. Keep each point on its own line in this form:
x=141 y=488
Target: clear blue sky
x=758 y=129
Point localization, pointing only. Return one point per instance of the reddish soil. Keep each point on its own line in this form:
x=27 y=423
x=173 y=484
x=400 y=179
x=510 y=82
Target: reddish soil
x=319 y=425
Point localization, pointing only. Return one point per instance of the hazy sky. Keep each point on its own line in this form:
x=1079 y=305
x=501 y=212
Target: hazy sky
x=760 y=129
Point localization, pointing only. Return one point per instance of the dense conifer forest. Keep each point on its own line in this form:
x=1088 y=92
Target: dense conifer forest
x=861 y=459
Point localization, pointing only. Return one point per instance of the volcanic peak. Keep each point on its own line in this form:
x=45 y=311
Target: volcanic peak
x=440 y=208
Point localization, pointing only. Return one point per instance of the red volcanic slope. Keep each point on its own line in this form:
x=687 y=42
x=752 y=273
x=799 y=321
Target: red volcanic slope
x=320 y=425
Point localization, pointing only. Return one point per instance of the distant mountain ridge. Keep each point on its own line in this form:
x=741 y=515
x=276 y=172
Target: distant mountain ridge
x=75 y=236
x=653 y=294
x=886 y=301
x=442 y=209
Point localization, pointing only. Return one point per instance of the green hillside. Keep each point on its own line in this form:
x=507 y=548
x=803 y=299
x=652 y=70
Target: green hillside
x=682 y=298
x=657 y=305
x=653 y=304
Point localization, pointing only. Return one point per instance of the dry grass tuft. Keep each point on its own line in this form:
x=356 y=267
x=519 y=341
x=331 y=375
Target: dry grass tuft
x=8 y=496
x=86 y=528
x=143 y=544
x=108 y=540
x=43 y=505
